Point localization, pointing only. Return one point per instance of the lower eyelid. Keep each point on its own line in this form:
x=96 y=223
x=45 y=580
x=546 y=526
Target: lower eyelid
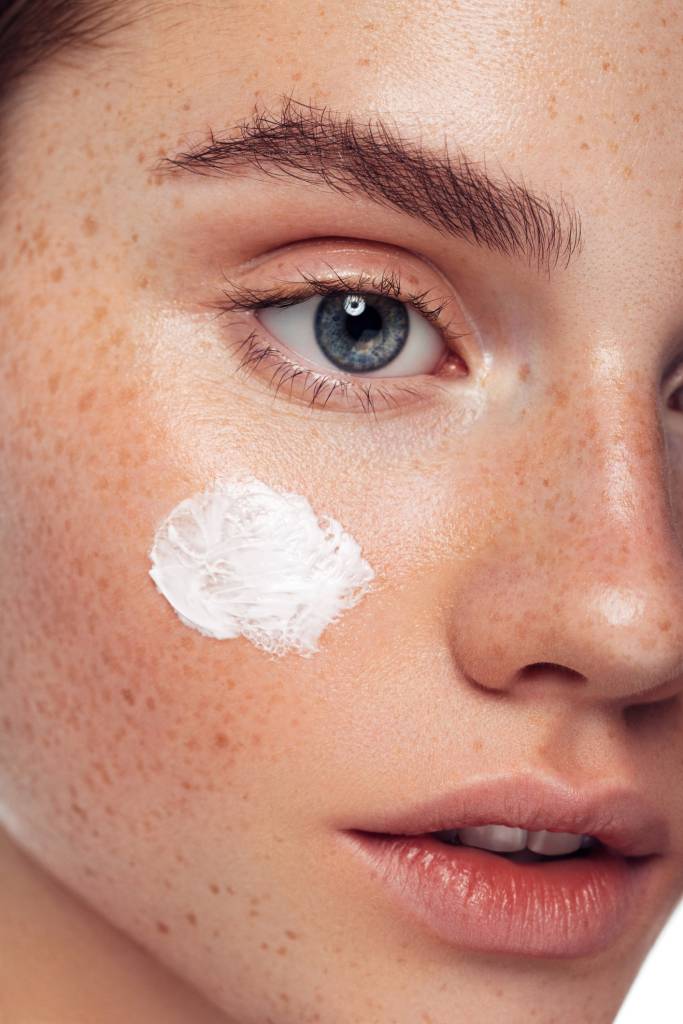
x=290 y=380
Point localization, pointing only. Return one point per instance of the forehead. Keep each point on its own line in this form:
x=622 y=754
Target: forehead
x=510 y=78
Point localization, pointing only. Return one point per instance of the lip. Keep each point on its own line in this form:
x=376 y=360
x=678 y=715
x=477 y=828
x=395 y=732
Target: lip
x=621 y=818
x=475 y=899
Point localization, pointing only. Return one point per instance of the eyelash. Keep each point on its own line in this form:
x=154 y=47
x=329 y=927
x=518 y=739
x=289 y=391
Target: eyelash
x=238 y=298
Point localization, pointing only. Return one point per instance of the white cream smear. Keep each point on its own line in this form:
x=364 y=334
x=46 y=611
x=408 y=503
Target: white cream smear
x=241 y=559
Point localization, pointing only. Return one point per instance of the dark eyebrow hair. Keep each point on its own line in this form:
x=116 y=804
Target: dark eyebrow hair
x=450 y=192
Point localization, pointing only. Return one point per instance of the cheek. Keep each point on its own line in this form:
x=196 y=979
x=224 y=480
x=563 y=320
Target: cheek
x=116 y=721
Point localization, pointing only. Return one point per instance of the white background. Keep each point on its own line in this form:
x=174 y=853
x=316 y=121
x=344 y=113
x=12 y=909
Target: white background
x=656 y=996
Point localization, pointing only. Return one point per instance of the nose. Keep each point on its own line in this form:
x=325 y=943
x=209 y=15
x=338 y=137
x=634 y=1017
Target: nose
x=579 y=576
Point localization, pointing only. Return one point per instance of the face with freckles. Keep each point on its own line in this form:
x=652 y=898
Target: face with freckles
x=509 y=461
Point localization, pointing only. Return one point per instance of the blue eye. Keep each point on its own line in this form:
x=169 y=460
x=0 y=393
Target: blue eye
x=361 y=332
x=357 y=332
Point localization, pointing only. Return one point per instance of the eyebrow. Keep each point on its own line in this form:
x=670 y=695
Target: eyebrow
x=448 y=191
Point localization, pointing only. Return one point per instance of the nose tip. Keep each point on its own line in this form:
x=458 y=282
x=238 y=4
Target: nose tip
x=634 y=627
x=587 y=580
x=624 y=642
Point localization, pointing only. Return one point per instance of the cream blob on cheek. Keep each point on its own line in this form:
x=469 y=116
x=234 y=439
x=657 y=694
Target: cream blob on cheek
x=241 y=559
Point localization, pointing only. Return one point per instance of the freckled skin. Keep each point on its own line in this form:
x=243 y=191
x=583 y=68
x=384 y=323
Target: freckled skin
x=177 y=797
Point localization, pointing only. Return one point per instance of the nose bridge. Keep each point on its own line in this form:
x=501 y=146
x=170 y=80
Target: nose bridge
x=587 y=573
x=612 y=464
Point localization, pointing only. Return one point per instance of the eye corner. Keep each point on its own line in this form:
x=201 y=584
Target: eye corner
x=675 y=398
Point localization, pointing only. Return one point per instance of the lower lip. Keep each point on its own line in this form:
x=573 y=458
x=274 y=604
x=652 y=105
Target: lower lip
x=480 y=901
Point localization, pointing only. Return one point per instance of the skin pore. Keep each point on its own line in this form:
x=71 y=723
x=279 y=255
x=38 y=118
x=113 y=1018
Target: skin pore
x=170 y=803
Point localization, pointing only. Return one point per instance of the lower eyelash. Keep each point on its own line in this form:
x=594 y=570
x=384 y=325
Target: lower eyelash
x=323 y=387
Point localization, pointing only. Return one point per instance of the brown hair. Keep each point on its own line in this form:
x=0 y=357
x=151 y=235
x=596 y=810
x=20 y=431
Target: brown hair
x=33 y=30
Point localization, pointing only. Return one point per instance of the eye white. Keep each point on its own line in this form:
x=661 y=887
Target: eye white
x=294 y=326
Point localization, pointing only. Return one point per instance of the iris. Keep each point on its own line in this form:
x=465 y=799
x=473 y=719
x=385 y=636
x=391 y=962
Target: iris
x=359 y=332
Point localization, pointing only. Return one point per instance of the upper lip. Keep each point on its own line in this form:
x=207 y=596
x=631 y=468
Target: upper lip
x=621 y=818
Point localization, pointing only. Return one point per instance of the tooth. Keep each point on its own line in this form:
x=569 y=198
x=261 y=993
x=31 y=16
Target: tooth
x=553 y=842
x=500 y=838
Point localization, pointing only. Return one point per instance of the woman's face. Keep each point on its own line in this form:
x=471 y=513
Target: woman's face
x=519 y=499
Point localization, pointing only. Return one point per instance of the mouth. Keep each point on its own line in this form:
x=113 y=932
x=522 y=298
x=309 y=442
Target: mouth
x=519 y=866
x=521 y=846
x=618 y=818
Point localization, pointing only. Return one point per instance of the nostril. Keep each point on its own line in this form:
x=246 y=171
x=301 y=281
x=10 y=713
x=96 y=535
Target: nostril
x=548 y=668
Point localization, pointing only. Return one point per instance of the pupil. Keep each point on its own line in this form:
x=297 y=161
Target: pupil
x=360 y=333
x=369 y=321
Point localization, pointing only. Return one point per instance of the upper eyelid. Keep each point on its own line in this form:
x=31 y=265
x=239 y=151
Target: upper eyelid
x=242 y=297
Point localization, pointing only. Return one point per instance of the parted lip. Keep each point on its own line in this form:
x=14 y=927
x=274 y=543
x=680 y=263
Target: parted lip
x=619 y=817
